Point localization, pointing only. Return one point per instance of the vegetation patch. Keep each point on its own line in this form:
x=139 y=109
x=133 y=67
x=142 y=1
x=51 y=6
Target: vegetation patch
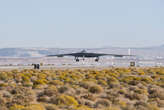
x=83 y=89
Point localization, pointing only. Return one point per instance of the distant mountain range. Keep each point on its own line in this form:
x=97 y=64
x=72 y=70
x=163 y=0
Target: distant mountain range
x=145 y=52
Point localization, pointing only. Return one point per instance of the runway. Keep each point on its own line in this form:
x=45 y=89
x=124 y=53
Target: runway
x=50 y=63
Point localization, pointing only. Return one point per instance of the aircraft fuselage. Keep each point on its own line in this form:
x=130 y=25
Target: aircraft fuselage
x=88 y=55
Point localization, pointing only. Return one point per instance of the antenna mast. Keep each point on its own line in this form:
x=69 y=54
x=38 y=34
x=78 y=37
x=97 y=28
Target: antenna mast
x=129 y=51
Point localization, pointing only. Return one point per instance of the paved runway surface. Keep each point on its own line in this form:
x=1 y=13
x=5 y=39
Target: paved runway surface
x=25 y=63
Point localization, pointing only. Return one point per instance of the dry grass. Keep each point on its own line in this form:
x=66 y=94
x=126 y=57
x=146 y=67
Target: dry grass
x=82 y=89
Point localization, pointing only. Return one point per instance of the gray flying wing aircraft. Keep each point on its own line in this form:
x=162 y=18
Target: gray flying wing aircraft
x=85 y=54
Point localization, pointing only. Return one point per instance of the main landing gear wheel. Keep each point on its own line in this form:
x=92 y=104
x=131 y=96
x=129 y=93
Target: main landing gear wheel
x=97 y=59
x=77 y=60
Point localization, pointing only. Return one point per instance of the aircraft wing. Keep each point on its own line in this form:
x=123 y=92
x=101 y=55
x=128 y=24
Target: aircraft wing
x=117 y=55
x=88 y=54
x=60 y=55
x=114 y=55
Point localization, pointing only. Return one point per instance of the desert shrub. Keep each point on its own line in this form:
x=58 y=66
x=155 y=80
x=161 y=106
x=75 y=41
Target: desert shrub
x=153 y=107
x=45 y=99
x=80 y=91
x=155 y=77
x=96 y=89
x=89 y=97
x=140 y=103
x=160 y=103
x=156 y=93
x=145 y=106
x=113 y=74
x=40 y=82
x=2 y=101
x=133 y=82
x=160 y=72
x=51 y=107
x=128 y=107
x=3 y=108
x=82 y=107
x=89 y=103
x=18 y=78
x=113 y=98
x=2 y=85
x=114 y=85
x=85 y=84
x=112 y=108
x=50 y=91
x=64 y=100
x=161 y=78
x=42 y=76
x=22 y=96
x=34 y=107
x=56 y=82
x=27 y=84
x=25 y=78
x=16 y=107
x=111 y=80
x=102 y=82
x=103 y=103
x=63 y=89
x=128 y=79
x=147 y=80
x=122 y=91
x=140 y=71
x=3 y=76
x=39 y=87
x=138 y=90
x=122 y=104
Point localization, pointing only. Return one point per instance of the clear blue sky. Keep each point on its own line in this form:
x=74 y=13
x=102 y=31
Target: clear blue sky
x=81 y=23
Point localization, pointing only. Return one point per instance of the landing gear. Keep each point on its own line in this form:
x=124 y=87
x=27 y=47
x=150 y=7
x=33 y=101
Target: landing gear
x=97 y=59
x=76 y=59
x=83 y=58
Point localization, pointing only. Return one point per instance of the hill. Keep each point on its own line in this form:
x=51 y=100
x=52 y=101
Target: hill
x=145 y=52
